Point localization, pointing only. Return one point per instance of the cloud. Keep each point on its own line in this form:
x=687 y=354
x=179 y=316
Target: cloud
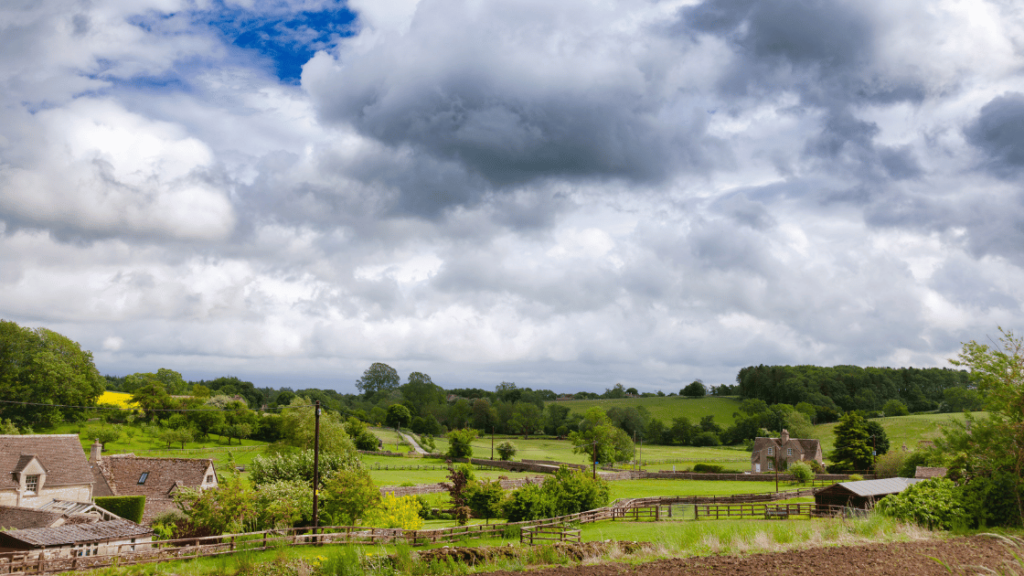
x=564 y=194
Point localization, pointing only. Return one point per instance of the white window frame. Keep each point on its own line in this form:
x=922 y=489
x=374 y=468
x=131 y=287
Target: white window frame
x=771 y=465
x=789 y=451
x=32 y=483
x=771 y=451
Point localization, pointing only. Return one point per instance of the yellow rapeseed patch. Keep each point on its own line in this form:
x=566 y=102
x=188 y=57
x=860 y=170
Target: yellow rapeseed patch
x=122 y=399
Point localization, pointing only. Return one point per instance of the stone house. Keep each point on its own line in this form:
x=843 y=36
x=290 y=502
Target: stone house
x=38 y=468
x=155 y=478
x=68 y=541
x=785 y=449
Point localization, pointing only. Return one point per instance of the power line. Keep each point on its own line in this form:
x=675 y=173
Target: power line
x=120 y=409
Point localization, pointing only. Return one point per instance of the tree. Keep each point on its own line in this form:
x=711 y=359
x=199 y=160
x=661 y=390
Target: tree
x=398 y=416
x=934 y=503
x=695 y=389
x=853 y=445
x=420 y=392
x=597 y=433
x=988 y=453
x=105 y=435
x=460 y=443
x=526 y=418
x=177 y=436
x=297 y=465
x=298 y=423
x=877 y=438
x=484 y=498
x=378 y=377
x=43 y=367
x=894 y=407
x=802 y=472
x=347 y=496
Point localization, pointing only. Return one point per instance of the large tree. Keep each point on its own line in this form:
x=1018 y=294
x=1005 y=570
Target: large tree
x=853 y=444
x=597 y=434
x=44 y=367
x=379 y=377
x=988 y=453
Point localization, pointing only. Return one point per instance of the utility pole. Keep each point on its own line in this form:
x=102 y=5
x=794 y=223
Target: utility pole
x=316 y=465
x=874 y=450
x=776 y=471
x=595 y=459
x=492 y=442
x=641 y=469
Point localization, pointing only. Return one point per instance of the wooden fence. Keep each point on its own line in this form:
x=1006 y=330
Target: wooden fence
x=34 y=562
x=555 y=532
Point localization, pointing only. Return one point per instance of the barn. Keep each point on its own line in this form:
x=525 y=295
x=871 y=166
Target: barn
x=863 y=494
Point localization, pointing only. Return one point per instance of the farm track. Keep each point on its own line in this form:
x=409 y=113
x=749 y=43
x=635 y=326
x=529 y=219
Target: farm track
x=890 y=559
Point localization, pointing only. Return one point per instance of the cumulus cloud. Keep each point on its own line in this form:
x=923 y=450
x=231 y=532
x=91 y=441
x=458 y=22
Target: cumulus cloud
x=564 y=194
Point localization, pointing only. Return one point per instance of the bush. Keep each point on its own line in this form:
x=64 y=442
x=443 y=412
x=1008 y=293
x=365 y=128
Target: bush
x=709 y=468
x=506 y=450
x=934 y=503
x=127 y=507
x=568 y=492
x=706 y=439
x=802 y=472
x=460 y=443
x=895 y=408
x=855 y=478
x=395 y=512
x=889 y=464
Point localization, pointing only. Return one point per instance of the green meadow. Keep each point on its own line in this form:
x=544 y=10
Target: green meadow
x=665 y=408
x=909 y=430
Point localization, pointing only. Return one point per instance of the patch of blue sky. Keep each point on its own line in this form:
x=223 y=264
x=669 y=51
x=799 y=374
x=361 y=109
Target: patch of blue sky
x=288 y=40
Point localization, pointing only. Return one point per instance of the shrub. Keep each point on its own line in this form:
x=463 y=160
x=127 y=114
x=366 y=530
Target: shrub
x=706 y=439
x=127 y=507
x=568 y=492
x=528 y=503
x=297 y=465
x=908 y=467
x=855 y=477
x=934 y=503
x=709 y=468
x=506 y=450
x=395 y=512
x=484 y=498
x=889 y=465
x=802 y=472
x=895 y=408
x=348 y=495
x=459 y=443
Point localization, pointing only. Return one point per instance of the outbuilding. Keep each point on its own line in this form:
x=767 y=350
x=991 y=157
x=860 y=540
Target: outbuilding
x=863 y=494
x=67 y=541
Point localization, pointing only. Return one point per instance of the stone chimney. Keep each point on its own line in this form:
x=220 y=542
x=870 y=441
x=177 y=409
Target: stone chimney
x=784 y=437
x=96 y=455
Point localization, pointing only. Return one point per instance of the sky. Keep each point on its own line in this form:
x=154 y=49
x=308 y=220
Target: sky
x=564 y=195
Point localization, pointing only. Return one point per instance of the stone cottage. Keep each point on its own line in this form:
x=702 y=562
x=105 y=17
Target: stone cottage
x=784 y=450
x=155 y=478
x=38 y=468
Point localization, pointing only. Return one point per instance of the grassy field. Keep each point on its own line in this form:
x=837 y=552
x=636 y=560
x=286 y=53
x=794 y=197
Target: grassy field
x=561 y=451
x=647 y=488
x=900 y=429
x=666 y=408
x=670 y=539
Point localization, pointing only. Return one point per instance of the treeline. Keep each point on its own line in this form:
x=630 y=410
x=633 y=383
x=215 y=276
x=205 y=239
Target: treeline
x=849 y=388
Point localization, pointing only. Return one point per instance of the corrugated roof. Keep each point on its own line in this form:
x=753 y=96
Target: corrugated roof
x=60 y=454
x=879 y=487
x=79 y=533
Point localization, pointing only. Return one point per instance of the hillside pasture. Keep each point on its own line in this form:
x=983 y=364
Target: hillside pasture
x=662 y=457
x=665 y=408
x=900 y=429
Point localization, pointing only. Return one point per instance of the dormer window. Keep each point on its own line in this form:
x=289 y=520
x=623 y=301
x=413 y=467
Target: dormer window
x=32 y=483
x=142 y=479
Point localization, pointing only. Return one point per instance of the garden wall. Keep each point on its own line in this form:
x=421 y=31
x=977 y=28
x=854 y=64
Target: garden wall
x=668 y=474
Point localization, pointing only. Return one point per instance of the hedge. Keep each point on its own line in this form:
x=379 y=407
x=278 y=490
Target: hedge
x=127 y=507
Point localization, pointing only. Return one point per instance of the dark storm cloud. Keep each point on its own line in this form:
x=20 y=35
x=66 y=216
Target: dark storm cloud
x=998 y=131
x=513 y=101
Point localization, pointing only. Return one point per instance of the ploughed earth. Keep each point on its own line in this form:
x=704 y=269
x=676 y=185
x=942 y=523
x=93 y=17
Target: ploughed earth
x=891 y=559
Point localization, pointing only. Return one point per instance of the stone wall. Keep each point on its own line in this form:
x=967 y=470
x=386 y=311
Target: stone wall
x=555 y=463
x=763 y=477
x=521 y=466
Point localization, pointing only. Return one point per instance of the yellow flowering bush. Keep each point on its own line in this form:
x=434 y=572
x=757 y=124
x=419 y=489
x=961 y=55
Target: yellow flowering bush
x=122 y=399
x=395 y=512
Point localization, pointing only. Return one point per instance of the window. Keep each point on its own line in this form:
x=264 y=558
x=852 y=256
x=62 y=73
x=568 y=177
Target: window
x=771 y=451
x=142 y=479
x=209 y=478
x=32 y=483
x=771 y=465
x=789 y=451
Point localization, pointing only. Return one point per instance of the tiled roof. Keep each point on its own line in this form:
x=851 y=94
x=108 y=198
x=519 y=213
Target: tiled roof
x=20 y=518
x=808 y=445
x=162 y=474
x=879 y=487
x=60 y=454
x=79 y=533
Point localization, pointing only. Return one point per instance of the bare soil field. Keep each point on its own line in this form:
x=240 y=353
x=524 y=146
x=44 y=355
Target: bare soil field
x=891 y=559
